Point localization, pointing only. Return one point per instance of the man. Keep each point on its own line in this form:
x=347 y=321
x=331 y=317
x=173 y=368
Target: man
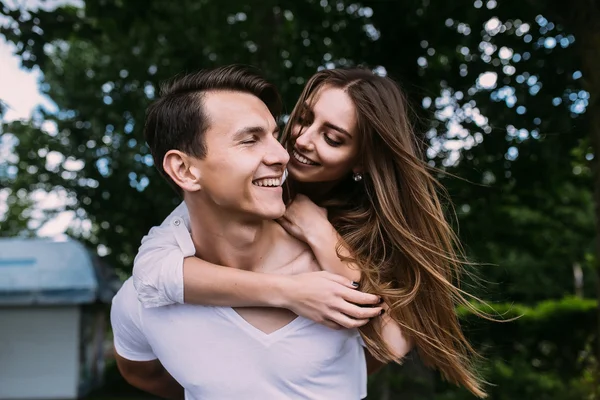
x=214 y=138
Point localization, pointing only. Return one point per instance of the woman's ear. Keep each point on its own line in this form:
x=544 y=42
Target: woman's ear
x=179 y=167
x=358 y=169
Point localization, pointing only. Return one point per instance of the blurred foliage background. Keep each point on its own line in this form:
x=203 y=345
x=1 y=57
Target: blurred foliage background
x=507 y=98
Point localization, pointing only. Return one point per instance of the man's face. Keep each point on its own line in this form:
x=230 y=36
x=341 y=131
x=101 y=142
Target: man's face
x=243 y=168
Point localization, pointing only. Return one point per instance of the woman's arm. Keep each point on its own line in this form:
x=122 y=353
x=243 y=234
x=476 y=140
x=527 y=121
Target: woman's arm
x=323 y=242
x=309 y=223
x=326 y=298
x=167 y=272
x=393 y=337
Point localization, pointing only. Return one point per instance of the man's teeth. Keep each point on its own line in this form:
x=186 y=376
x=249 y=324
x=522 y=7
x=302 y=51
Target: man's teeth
x=302 y=159
x=270 y=182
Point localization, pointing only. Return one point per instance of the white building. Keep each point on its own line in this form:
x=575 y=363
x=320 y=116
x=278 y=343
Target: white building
x=53 y=319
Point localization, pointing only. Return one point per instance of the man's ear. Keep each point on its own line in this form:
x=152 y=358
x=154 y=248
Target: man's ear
x=181 y=170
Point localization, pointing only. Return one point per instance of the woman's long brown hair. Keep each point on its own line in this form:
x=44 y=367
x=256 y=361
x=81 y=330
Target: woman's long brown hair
x=394 y=226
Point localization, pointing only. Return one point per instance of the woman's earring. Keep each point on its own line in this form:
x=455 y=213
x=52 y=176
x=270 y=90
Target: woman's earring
x=357 y=177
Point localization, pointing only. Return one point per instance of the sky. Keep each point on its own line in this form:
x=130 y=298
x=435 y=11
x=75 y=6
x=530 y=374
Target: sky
x=18 y=87
x=19 y=90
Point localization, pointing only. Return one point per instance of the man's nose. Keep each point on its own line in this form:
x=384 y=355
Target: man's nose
x=277 y=154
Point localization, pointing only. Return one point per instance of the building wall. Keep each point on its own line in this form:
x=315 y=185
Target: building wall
x=39 y=352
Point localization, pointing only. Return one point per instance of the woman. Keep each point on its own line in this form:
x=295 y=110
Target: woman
x=366 y=204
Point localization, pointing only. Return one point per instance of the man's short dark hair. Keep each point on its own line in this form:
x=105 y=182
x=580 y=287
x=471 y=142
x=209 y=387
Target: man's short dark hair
x=177 y=120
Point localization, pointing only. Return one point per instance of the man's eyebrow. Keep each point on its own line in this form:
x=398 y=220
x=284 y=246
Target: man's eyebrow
x=248 y=130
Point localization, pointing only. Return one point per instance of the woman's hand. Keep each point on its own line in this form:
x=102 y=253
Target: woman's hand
x=308 y=222
x=303 y=218
x=329 y=299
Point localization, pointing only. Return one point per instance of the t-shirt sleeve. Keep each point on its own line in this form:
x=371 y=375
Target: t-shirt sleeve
x=361 y=340
x=128 y=335
x=158 y=265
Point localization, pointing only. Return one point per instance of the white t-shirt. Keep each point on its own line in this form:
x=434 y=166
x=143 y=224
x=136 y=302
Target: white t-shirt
x=158 y=266
x=216 y=354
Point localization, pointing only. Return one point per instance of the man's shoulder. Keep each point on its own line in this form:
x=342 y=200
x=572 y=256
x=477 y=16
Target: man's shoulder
x=289 y=249
x=126 y=295
x=285 y=240
x=166 y=242
x=180 y=213
x=125 y=310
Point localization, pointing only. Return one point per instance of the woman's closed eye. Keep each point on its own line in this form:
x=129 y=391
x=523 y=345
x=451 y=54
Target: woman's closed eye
x=331 y=141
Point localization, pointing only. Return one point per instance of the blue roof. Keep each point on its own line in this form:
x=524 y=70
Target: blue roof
x=41 y=271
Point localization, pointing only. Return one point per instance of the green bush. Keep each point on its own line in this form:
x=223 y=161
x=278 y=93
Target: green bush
x=544 y=353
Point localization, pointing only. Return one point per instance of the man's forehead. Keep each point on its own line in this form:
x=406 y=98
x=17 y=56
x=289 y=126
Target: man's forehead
x=223 y=101
x=236 y=110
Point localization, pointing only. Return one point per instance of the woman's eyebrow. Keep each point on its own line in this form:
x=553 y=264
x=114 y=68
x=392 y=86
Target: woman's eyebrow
x=337 y=128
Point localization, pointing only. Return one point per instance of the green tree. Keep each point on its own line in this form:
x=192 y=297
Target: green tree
x=103 y=64
x=487 y=68
x=504 y=93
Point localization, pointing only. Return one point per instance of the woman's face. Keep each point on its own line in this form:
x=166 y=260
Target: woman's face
x=324 y=138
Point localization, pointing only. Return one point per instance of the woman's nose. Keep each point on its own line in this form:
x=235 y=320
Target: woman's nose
x=304 y=139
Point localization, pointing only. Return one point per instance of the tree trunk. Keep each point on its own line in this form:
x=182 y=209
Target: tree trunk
x=587 y=27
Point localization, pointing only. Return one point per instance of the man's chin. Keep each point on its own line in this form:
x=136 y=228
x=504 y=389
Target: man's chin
x=263 y=212
x=273 y=212
x=277 y=212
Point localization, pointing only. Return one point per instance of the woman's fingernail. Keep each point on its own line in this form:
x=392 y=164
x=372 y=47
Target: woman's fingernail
x=355 y=284
x=382 y=311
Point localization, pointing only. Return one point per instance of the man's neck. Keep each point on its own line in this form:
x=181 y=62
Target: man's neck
x=225 y=239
